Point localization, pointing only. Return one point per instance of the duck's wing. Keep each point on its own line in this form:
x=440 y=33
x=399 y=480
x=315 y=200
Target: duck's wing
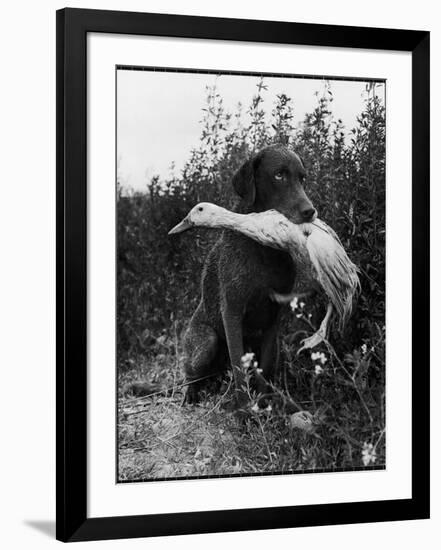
x=328 y=229
x=337 y=274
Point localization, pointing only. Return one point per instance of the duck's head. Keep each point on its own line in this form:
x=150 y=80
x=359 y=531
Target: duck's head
x=204 y=214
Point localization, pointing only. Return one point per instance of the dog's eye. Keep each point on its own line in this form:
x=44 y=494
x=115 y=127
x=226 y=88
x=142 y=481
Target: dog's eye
x=278 y=175
x=200 y=209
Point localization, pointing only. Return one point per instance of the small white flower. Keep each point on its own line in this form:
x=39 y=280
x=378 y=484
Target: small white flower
x=255 y=408
x=298 y=315
x=318 y=370
x=319 y=356
x=246 y=359
x=294 y=303
x=269 y=408
x=302 y=304
x=259 y=371
x=368 y=454
x=364 y=349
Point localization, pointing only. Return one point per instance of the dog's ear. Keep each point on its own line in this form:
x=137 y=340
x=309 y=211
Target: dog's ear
x=244 y=182
x=302 y=161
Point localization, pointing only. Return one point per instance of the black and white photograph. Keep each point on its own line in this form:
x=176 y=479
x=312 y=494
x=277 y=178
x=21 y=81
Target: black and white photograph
x=217 y=267
x=250 y=274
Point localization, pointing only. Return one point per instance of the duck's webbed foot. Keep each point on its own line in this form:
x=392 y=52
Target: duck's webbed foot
x=319 y=336
x=313 y=341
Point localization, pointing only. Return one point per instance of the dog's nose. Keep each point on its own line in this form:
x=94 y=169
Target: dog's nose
x=308 y=214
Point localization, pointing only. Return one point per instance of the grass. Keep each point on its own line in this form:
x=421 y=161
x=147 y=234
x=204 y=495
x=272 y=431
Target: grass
x=323 y=412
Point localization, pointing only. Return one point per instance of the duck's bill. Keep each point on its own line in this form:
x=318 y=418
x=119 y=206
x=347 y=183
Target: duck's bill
x=182 y=226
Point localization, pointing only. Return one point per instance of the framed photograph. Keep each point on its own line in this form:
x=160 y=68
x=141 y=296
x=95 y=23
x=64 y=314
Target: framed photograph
x=242 y=274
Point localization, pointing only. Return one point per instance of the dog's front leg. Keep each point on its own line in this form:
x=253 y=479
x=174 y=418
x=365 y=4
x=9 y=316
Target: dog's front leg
x=232 y=320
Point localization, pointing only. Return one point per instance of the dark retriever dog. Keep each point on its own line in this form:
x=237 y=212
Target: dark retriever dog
x=235 y=313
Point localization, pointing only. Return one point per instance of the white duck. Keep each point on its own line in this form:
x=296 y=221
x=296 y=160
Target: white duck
x=315 y=248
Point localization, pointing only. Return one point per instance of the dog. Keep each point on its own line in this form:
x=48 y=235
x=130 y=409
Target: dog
x=235 y=313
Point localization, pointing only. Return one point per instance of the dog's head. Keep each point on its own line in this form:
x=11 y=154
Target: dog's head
x=273 y=179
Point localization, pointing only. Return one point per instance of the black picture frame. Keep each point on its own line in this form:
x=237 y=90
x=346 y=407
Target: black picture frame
x=71 y=427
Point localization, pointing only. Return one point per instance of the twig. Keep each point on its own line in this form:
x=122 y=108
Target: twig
x=339 y=361
x=176 y=360
x=383 y=431
x=166 y=390
x=268 y=450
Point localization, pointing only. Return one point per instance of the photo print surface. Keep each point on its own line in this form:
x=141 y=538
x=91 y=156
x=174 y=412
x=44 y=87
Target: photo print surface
x=250 y=274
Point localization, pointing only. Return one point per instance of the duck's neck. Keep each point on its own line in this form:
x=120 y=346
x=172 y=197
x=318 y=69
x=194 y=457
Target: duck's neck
x=232 y=220
x=252 y=225
x=267 y=228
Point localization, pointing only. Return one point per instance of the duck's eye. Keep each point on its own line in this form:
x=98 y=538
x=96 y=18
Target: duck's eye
x=278 y=175
x=200 y=209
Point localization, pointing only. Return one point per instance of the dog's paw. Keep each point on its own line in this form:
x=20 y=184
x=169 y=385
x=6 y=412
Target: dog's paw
x=191 y=395
x=238 y=401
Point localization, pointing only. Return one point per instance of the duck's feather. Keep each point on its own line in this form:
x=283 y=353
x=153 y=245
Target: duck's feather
x=336 y=273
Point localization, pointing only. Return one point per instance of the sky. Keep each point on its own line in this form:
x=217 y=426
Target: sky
x=159 y=113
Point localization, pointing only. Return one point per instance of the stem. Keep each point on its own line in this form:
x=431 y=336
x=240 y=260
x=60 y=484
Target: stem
x=348 y=374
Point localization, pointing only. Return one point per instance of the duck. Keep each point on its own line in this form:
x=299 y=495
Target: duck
x=320 y=258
